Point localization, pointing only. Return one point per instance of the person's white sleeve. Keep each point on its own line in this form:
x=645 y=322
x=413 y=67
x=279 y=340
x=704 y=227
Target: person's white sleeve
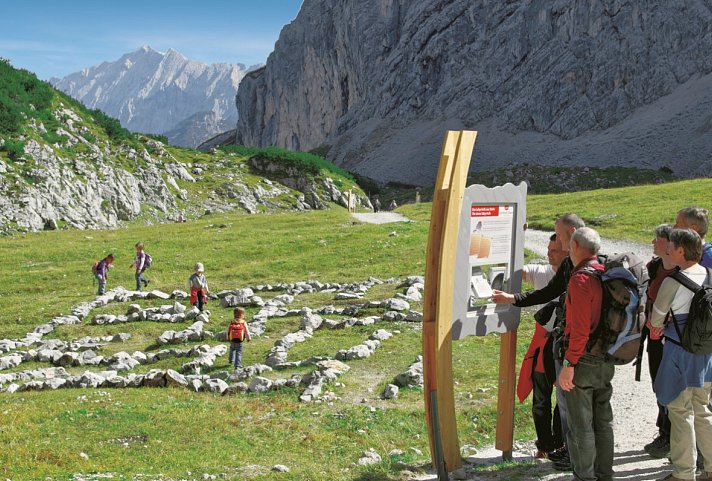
x=663 y=301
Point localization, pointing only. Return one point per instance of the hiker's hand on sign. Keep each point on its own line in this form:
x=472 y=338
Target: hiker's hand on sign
x=501 y=297
x=566 y=378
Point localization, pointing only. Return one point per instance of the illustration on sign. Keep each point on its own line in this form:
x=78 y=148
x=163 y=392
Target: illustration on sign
x=491 y=230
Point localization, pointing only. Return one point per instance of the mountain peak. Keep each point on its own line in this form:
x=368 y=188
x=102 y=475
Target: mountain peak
x=154 y=92
x=175 y=53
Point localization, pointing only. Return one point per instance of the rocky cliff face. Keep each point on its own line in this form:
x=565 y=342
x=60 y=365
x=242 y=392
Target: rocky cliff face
x=559 y=83
x=157 y=93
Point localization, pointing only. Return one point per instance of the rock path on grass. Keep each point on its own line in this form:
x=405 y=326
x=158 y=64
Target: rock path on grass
x=81 y=353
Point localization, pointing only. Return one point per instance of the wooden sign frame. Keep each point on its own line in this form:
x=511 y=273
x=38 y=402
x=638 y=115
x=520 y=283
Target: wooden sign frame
x=443 y=268
x=438 y=299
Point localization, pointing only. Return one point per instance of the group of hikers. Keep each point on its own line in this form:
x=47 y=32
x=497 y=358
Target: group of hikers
x=566 y=349
x=237 y=331
x=377 y=205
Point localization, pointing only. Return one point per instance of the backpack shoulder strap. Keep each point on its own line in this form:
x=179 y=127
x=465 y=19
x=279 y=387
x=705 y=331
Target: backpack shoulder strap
x=589 y=270
x=686 y=281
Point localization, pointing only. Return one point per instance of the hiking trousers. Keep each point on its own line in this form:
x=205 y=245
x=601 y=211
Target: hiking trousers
x=590 y=416
x=560 y=393
x=102 y=284
x=548 y=427
x=140 y=279
x=691 y=422
x=236 y=353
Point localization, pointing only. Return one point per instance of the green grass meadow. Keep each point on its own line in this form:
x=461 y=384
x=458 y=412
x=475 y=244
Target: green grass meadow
x=167 y=433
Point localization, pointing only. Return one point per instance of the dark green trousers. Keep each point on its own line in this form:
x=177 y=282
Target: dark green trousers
x=590 y=418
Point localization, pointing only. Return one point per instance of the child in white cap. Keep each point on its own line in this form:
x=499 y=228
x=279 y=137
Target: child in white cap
x=198 y=285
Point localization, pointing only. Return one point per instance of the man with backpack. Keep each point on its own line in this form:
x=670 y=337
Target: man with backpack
x=100 y=269
x=141 y=262
x=565 y=227
x=683 y=314
x=697 y=219
x=586 y=377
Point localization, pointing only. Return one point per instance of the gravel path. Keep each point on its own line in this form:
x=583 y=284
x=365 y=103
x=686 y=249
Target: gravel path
x=634 y=410
x=381 y=217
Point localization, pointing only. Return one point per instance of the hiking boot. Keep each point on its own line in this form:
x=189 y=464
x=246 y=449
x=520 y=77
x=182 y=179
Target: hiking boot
x=563 y=464
x=145 y=283
x=659 y=447
x=539 y=454
x=558 y=454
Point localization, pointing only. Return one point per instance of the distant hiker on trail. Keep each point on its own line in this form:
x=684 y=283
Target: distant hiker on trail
x=198 y=285
x=376 y=205
x=141 y=262
x=101 y=272
x=393 y=205
x=237 y=333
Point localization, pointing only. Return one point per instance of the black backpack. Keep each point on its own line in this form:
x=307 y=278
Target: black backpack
x=618 y=334
x=697 y=336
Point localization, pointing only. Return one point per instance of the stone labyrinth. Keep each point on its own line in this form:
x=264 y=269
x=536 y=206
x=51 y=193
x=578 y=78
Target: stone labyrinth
x=115 y=370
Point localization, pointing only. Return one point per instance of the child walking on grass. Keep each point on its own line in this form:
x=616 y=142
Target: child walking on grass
x=101 y=272
x=198 y=285
x=237 y=333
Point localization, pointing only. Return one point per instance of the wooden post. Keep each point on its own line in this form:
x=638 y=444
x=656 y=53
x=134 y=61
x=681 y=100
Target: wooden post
x=505 y=394
x=438 y=301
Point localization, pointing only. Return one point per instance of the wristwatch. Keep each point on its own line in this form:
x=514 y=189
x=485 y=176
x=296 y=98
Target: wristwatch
x=568 y=364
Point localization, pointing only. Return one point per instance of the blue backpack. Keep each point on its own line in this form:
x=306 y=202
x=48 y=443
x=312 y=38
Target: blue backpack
x=619 y=332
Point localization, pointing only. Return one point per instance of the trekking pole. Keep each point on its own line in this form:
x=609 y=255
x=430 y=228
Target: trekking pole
x=639 y=358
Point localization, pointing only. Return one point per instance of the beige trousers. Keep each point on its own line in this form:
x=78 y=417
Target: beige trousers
x=691 y=424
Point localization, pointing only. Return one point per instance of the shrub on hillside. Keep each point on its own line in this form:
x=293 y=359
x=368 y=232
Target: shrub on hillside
x=304 y=161
x=15 y=149
x=21 y=92
x=111 y=126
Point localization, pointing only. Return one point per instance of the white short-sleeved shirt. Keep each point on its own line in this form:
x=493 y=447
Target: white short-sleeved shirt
x=540 y=275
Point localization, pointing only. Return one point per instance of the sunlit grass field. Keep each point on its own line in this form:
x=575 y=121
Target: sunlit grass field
x=167 y=433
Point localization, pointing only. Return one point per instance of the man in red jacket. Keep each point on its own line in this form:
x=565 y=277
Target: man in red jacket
x=586 y=378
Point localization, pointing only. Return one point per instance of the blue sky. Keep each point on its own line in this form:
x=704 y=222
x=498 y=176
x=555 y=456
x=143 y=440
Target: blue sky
x=53 y=38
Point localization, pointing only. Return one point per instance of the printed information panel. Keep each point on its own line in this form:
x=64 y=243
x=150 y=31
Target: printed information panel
x=490 y=255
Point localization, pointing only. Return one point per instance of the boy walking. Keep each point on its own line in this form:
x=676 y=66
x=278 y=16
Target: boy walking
x=237 y=333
